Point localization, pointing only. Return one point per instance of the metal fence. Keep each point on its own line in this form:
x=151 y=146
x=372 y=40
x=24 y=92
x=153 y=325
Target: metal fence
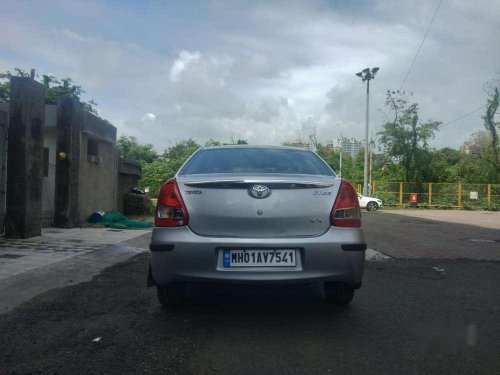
x=453 y=195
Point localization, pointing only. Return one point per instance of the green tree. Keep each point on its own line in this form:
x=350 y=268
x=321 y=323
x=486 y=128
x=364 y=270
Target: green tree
x=54 y=89
x=5 y=86
x=405 y=138
x=132 y=149
x=491 y=126
x=441 y=165
x=475 y=163
x=156 y=173
x=181 y=151
x=212 y=142
x=331 y=157
x=351 y=168
x=236 y=142
x=384 y=168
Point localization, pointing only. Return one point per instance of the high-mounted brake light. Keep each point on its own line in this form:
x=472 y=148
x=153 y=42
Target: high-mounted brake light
x=170 y=209
x=345 y=211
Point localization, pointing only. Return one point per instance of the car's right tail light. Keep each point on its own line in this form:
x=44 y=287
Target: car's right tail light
x=345 y=211
x=170 y=209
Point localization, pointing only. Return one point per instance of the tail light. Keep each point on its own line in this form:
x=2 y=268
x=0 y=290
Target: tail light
x=170 y=210
x=345 y=211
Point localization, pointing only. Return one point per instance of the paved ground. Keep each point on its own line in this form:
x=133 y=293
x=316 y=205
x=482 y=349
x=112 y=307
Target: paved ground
x=54 y=245
x=484 y=219
x=61 y=257
x=425 y=316
x=404 y=236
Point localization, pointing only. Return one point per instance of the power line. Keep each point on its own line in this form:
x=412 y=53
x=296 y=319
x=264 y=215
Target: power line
x=421 y=44
x=464 y=116
x=416 y=54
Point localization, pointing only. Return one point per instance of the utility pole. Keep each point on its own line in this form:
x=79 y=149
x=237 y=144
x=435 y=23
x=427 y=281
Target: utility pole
x=341 y=149
x=371 y=158
x=367 y=75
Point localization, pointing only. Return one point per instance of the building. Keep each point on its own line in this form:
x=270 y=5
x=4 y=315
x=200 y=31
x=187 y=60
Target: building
x=298 y=143
x=348 y=145
x=59 y=165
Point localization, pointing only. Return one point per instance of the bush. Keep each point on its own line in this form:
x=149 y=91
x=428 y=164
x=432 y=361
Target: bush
x=467 y=207
x=388 y=199
x=446 y=206
x=137 y=204
x=491 y=207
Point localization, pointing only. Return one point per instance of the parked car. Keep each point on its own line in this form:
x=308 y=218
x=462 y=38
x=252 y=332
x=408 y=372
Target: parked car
x=371 y=204
x=246 y=214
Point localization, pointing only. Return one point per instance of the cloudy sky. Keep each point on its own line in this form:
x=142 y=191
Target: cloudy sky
x=265 y=71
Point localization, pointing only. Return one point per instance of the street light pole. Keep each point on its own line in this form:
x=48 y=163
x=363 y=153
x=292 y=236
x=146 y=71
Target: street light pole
x=365 y=169
x=371 y=159
x=367 y=75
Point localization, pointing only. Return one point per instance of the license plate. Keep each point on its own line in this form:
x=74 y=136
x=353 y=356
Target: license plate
x=259 y=258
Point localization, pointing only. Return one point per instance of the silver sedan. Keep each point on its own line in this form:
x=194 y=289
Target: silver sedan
x=247 y=214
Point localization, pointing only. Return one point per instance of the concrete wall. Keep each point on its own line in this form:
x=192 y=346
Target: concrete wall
x=77 y=184
x=4 y=119
x=50 y=120
x=130 y=173
x=49 y=182
x=98 y=128
x=87 y=176
x=69 y=129
x=25 y=158
x=98 y=176
x=48 y=188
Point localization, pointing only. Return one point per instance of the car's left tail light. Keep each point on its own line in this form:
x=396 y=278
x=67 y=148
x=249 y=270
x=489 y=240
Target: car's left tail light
x=170 y=209
x=345 y=212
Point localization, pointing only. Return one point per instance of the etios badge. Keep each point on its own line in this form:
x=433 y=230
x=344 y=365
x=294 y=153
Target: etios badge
x=260 y=191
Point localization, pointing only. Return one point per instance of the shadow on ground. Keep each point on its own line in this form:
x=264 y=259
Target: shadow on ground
x=114 y=325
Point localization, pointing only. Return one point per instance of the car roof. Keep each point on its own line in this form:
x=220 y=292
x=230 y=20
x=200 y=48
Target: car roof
x=257 y=146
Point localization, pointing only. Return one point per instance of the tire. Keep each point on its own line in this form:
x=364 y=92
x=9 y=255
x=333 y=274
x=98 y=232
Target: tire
x=171 y=294
x=372 y=206
x=340 y=294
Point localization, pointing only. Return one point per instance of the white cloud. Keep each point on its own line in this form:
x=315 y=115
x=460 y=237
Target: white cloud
x=267 y=72
x=72 y=35
x=181 y=63
x=149 y=117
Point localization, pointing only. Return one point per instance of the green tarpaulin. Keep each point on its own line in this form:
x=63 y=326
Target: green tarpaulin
x=114 y=219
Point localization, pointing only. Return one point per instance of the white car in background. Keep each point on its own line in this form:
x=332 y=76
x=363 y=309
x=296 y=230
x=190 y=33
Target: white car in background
x=371 y=204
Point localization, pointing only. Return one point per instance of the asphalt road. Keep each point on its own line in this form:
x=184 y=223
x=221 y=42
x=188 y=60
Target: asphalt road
x=408 y=318
x=403 y=236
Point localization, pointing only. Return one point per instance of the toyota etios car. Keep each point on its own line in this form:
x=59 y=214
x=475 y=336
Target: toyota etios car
x=247 y=214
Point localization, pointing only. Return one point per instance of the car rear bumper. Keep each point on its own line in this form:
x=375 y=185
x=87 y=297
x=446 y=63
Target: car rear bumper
x=179 y=255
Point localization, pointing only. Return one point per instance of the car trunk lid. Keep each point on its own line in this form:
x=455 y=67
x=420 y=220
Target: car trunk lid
x=256 y=206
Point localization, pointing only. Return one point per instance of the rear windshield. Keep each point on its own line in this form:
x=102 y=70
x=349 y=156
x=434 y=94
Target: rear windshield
x=256 y=160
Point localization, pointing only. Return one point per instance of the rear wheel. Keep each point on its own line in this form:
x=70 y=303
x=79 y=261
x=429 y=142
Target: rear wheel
x=171 y=294
x=372 y=206
x=339 y=293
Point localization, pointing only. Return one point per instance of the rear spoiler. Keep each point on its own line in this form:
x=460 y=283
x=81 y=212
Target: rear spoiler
x=247 y=183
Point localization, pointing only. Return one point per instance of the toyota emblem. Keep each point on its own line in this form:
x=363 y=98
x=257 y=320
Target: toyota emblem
x=260 y=191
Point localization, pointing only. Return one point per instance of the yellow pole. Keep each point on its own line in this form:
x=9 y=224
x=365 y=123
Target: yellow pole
x=400 y=193
x=459 y=194
x=430 y=193
x=489 y=193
